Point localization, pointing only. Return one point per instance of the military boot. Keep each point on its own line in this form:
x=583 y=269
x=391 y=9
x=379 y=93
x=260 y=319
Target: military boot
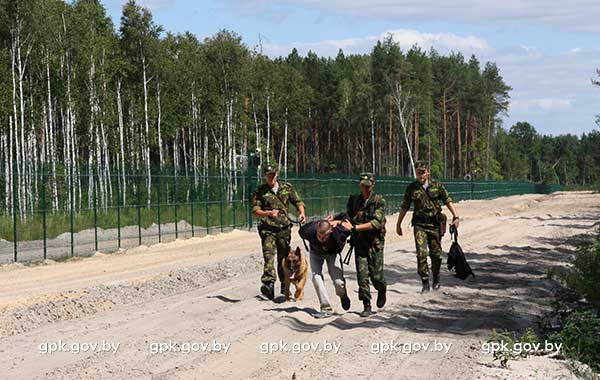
x=426 y=287
x=436 y=282
x=268 y=290
x=367 y=310
x=381 y=298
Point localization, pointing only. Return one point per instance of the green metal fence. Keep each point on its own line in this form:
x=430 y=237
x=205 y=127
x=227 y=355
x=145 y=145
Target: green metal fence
x=76 y=215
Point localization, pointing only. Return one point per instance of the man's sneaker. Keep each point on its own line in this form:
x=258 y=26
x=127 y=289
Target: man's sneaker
x=322 y=314
x=426 y=287
x=381 y=297
x=268 y=290
x=436 y=282
x=367 y=311
x=345 y=302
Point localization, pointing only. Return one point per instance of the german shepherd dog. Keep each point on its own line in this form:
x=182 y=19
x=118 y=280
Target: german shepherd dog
x=295 y=269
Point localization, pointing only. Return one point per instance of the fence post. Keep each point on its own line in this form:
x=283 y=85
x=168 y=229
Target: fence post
x=139 y=210
x=233 y=192
x=14 y=204
x=119 y=211
x=44 y=211
x=71 y=205
x=158 y=204
x=472 y=188
x=221 y=205
x=193 y=197
x=175 y=204
x=249 y=190
x=206 y=204
x=95 y=213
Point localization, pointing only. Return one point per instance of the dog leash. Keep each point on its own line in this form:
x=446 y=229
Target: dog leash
x=297 y=222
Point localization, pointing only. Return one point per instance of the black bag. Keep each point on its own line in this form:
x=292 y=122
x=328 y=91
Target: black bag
x=456 y=258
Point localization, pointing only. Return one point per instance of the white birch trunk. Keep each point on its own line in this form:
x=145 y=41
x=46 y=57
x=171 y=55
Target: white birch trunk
x=402 y=101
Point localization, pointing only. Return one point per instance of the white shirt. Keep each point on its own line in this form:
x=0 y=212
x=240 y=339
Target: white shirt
x=275 y=188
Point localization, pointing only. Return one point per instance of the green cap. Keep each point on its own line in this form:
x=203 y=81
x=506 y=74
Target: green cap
x=367 y=179
x=421 y=165
x=271 y=168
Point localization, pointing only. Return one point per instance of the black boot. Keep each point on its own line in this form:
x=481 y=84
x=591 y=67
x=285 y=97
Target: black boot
x=426 y=287
x=268 y=290
x=367 y=311
x=436 y=282
x=381 y=298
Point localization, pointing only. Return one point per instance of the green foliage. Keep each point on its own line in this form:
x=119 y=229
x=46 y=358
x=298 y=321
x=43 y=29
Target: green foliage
x=580 y=337
x=575 y=319
x=584 y=275
x=512 y=343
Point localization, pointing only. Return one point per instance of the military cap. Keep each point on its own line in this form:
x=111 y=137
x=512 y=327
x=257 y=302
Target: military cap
x=367 y=179
x=270 y=168
x=421 y=165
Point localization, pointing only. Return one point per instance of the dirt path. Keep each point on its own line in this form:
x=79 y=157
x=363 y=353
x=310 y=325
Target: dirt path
x=204 y=290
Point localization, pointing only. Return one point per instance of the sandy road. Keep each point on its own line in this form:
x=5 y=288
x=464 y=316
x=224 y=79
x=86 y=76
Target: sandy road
x=204 y=290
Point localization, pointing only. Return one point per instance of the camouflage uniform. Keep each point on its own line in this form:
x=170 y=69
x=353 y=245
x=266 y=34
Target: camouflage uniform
x=275 y=232
x=425 y=223
x=368 y=245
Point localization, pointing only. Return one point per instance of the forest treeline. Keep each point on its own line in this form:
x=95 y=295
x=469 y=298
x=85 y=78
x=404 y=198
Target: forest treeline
x=79 y=94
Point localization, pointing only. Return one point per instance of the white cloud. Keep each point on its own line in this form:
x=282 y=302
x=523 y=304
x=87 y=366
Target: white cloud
x=552 y=92
x=116 y=6
x=574 y=15
x=546 y=104
x=449 y=41
x=405 y=37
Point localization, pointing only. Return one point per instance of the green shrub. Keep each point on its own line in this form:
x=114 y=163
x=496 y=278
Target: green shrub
x=580 y=338
x=510 y=340
x=584 y=278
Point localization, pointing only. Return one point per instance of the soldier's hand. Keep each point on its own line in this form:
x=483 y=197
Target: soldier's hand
x=346 y=224
x=302 y=218
x=274 y=213
x=399 y=229
x=455 y=222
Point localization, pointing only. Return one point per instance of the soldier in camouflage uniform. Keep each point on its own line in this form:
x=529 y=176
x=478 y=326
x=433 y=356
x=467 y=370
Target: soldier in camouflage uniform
x=427 y=196
x=270 y=203
x=366 y=212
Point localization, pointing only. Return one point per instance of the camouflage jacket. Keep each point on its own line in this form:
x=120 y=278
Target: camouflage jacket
x=265 y=199
x=370 y=211
x=427 y=203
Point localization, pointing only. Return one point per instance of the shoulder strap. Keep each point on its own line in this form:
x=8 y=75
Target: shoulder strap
x=454 y=233
x=282 y=184
x=429 y=196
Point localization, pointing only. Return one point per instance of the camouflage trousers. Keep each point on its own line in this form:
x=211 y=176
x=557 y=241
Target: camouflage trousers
x=369 y=265
x=275 y=246
x=428 y=237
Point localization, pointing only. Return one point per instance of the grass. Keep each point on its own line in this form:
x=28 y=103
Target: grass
x=512 y=344
x=575 y=318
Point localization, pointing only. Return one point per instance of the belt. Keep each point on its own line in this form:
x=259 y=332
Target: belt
x=268 y=227
x=425 y=219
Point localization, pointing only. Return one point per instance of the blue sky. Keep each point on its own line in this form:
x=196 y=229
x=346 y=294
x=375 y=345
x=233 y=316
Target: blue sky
x=546 y=50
